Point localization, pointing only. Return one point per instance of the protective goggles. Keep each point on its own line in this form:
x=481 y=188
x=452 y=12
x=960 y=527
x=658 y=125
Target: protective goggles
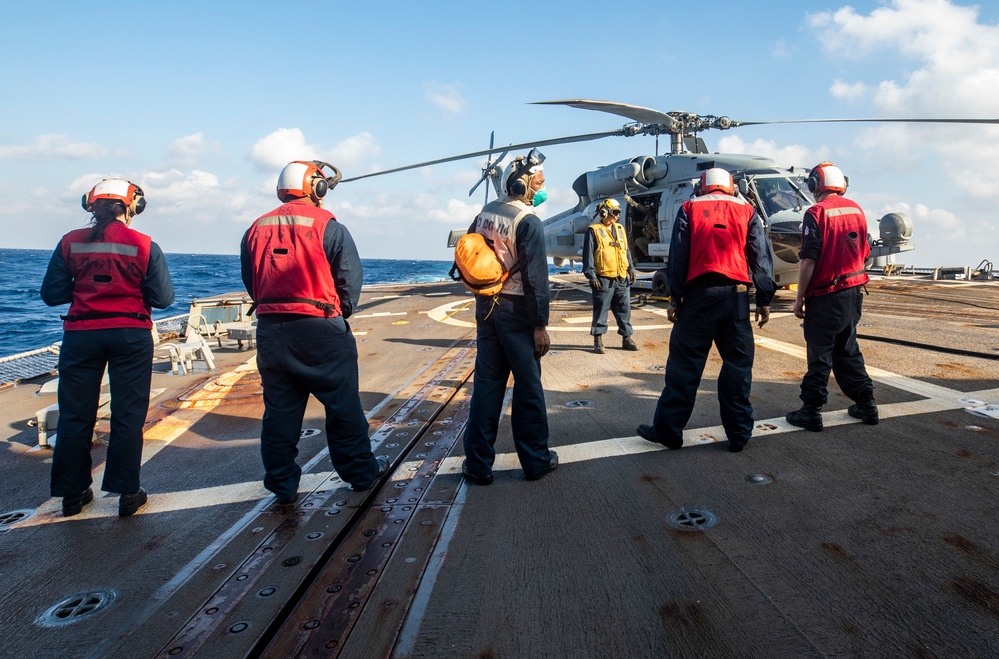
x=534 y=161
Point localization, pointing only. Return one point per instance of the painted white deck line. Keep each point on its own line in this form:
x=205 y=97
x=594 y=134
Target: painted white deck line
x=445 y=314
x=380 y=314
x=935 y=399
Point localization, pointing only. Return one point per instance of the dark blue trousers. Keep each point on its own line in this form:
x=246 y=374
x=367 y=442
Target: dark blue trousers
x=831 y=336
x=505 y=345
x=298 y=355
x=709 y=314
x=614 y=295
x=127 y=353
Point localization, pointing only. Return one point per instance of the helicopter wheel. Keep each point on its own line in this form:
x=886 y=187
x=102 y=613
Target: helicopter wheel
x=659 y=286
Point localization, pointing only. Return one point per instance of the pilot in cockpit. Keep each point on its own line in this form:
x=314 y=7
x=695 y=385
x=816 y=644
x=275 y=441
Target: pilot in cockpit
x=775 y=197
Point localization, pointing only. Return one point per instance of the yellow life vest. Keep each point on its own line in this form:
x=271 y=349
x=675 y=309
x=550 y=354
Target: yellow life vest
x=610 y=254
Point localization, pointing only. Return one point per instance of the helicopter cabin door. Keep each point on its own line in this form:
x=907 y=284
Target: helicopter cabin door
x=643 y=226
x=672 y=199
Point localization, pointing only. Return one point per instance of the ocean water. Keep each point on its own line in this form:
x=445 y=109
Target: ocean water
x=26 y=323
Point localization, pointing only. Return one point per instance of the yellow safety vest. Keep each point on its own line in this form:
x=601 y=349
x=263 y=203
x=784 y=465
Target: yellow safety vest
x=610 y=254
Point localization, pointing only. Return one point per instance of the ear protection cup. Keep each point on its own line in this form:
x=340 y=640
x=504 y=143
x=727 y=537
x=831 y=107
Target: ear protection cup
x=138 y=201
x=602 y=213
x=518 y=188
x=120 y=190
x=319 y=187
x=826 y=176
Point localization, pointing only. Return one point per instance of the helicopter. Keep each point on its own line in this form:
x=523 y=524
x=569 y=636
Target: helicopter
x=651 y=189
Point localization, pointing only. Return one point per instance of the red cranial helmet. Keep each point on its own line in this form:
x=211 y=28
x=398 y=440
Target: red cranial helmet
x=116 y=189
x=716 y=179
x=302 y=178
x=826 y=177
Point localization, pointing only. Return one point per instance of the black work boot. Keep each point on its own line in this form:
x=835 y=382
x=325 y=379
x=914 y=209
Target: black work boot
x=74 y=505
x=865 y=410
x=808 y=417
x=598 y=344
x=629 y=343
x=129 y=503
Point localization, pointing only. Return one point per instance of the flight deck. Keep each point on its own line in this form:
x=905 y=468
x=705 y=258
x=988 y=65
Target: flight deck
x=855 y=541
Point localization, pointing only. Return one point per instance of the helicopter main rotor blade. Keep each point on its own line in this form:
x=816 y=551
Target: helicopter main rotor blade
x=736 y=123
x=633 y=112
x=560 y=140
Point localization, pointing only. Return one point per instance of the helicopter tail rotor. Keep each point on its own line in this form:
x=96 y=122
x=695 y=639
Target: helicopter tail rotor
x=491 y=170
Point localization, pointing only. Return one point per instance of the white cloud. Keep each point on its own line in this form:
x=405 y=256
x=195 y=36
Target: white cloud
x=928 y=219
x=284 y=145
x=274 y=151
x=189 y=147
x=53 y=146
x=445 y=97
x=354 y=151
x=959 y=57
x=790 y=155
x=848 y=91
x=781 y=49
x=949 y=68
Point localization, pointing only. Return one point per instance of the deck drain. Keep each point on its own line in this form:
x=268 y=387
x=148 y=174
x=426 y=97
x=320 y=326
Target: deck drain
x=759 y=479
x=12 y=517
x=580 y=403
x=309 y=432
x=692 y=519
x=75 y=608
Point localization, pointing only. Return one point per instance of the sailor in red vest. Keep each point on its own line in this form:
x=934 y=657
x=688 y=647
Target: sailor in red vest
x=717 y=248
x=834 y=248
x=112 y=276
x=303 y=272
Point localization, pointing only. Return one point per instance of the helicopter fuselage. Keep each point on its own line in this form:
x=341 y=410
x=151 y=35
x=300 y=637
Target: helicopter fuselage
x=658 y=186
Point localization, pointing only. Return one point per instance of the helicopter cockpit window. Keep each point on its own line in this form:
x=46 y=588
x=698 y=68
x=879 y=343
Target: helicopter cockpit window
x=778 y=194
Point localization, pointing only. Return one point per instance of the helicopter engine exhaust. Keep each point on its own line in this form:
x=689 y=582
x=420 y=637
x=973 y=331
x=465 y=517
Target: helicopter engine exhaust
x=641 y=173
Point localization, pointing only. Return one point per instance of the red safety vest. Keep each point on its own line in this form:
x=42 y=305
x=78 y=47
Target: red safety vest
x=291 y=272
x=843 y=228
x=719 y=224
x=107 y=278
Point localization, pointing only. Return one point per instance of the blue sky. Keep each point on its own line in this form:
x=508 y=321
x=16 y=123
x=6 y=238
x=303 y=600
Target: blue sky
x=202 y=103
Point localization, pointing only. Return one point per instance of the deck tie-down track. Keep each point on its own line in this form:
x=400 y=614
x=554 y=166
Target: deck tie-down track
x=307 y=583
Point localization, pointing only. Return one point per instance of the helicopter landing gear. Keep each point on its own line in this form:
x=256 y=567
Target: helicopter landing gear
x=660 y=288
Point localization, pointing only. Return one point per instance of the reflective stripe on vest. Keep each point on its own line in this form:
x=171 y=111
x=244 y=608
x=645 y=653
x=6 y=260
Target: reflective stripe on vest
x=497 y=222
x=610 y=254
x=291 y=272
x=107 y=278
x=843 y=228
x=719 y=224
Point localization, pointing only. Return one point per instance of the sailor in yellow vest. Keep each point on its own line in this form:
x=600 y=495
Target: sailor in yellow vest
x=607 y=265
